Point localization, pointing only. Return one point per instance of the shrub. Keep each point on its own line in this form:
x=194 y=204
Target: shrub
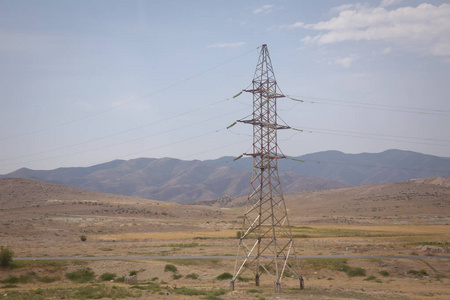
x=83 y=238
x=224 y=276
x=107 y=276
x=177 y=276
x=170 y=268
x=49 y=279
x=353 y=272
x=14 y=279
x=81 y=275
x=6 y=257
x=192 y=276
x=418 y=273
x=384 y=273
x=132 y=273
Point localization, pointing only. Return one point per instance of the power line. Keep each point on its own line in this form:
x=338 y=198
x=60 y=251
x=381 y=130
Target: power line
x=126 y=103
x=122 y=132
x=374 y=136
x=123 y=142
x=383 y=107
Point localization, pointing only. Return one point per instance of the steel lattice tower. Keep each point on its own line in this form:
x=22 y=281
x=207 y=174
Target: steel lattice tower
x=266 y=245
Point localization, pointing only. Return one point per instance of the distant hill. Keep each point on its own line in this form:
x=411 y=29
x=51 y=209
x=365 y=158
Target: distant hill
x=371 y=168
x=395 y=203
x=23 y=193
x=181 y=181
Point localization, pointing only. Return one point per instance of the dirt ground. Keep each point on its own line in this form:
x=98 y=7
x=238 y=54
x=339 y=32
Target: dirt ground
x=415 y=263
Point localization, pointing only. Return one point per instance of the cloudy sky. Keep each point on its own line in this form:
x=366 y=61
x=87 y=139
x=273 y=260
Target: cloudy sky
x=86 y=82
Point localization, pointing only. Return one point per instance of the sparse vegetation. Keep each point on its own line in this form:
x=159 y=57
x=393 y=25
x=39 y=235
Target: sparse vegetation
x=224 y=276
x=83 y=238
x=420 y=273
x=108 y=276
x=384 y=273
x=6 y=257
x=192 y=276
x=170 y=268
x=187 y=245
x=81 y=275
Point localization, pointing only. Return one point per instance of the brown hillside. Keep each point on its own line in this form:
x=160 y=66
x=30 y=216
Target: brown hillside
x=21 y=193
x=404 y=202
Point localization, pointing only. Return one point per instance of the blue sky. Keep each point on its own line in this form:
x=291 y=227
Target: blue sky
x=86 y=82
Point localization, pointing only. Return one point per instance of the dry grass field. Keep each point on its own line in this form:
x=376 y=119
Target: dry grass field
x=396 y=236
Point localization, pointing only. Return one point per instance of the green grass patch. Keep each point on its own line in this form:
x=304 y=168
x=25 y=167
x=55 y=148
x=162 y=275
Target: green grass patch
x=253 y=291
x=107 y=276
x=192 y=276
x=149 y=286
x=224 y=276
x=50 y=266
x=325 y=263
x=170 y=268
x=244 y=279
x=420 y=273
x=81 y=275
x=86 y=292
x=48 y=279
x=194 y=261
x=21 y=279
x=9 y=286
x=373 y=278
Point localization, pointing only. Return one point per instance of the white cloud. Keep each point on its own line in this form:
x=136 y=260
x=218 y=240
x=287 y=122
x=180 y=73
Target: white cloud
x=265 y=9
x=425 y=28
x=346 y=61
x=227 y=45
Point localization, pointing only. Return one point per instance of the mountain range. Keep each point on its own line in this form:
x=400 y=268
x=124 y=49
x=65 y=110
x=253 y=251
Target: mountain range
x=180 y=181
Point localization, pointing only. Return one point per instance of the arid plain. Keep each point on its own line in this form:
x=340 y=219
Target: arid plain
x=395 y=237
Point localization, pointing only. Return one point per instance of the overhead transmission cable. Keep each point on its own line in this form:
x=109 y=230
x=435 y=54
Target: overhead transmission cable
x=128 y=102
x=121 y=132
x=373 y=106
x=128 y=141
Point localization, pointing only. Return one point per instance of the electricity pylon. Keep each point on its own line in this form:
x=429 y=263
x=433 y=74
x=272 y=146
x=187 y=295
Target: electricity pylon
x=266 y=245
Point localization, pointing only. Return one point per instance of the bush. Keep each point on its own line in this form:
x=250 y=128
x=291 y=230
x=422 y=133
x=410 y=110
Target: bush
x=418 y=273
x=49 y=279
x=83 y=238
x=107 y=276
x=170 y=268
x=81 y=275
x=6 y=257
x=192 y=276
x=132 y=273
x=224 y=276
x=353 y=272
x=384 y=273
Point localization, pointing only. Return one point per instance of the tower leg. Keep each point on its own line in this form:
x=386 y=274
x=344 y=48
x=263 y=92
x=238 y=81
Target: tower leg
x=302 y=283
x=232 y=285
x=278 y=288
x=257 y=280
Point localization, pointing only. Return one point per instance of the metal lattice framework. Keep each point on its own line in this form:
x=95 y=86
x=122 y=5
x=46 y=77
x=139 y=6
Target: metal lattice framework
x=266 y=245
